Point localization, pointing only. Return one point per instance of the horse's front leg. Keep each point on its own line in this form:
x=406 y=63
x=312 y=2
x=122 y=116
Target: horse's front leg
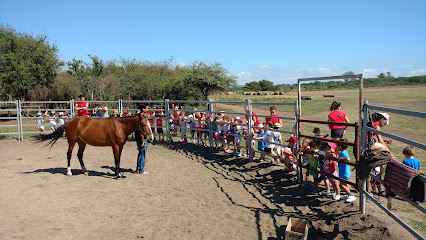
x=117 y=155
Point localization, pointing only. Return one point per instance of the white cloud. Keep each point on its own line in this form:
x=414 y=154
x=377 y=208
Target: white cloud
x=265 y=67
x=416 y=72
x=245 y=77
x=244 y=74
x=323 y=70
x=370 y=72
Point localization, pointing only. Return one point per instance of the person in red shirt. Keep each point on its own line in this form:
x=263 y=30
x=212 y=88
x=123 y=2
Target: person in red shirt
x=337 y=116
x=273 y=111
x=82 y=107
x=255 y=120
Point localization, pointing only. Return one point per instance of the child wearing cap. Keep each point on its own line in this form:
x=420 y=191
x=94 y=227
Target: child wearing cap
x=127 y=113
x=288 y=154
x=39 y=120
x=67 y=116
x=52 y=119
x=379 y=120
x=61 y=119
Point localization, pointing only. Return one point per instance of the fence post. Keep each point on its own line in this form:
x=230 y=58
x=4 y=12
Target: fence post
x=72 y=108
x=210 y=124
x=120 y=106
x=18 y=121
x=249 y=118
x=166 y=114
x=363 y=136
x=299 y=160
x=364 y=126
x=362 y=197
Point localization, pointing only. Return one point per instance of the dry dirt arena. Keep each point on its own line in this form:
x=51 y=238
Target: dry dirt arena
x=190 y=193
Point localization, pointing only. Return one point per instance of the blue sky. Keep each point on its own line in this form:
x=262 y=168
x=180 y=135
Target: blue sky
x=275 y=40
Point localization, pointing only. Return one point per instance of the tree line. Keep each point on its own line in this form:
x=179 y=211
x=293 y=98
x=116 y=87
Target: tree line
x=382 y=80
x=30 y=69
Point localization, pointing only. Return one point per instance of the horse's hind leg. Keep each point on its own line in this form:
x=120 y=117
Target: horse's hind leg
x=81 y=147
x=69 y=154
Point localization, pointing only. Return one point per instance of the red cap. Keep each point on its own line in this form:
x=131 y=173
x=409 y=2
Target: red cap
x=291 y=140
x=125 y=111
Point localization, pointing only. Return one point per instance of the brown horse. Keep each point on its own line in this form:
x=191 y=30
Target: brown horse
x=112 y=132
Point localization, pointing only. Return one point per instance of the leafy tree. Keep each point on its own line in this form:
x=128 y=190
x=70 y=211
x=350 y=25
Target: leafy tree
x=253 y=86
x=266 y=85
x=26 y=62
x=389 y=75
x=209 y=78
x=348 y=79
x=381 y=75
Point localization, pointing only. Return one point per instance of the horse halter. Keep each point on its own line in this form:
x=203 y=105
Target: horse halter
x=143 y=125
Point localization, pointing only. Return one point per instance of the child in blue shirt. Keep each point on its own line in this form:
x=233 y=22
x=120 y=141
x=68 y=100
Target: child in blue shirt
x=409 y=158
x=260 y=144
x=344 y=172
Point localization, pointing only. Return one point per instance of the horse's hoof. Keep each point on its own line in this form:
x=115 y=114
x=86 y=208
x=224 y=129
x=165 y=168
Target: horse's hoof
x=69 y=174
x=86 y=173
x=120 y=175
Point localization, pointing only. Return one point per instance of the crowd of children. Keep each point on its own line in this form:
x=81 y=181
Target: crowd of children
x=54 y=120
x=326 y=158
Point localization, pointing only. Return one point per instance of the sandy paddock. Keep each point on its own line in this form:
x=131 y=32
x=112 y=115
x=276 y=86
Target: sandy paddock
x=190 y=193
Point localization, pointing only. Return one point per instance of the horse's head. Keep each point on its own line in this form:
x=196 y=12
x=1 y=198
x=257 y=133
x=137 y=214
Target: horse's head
x=145 y=128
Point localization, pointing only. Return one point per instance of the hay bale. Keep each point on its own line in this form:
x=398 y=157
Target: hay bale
x=328 y=95
x=258 y=93
x=281 y=93
x=275 y=93
x=306 y=98
x=229 y=93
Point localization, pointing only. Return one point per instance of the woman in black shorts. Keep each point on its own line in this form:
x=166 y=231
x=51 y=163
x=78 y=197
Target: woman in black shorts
x=337 y=116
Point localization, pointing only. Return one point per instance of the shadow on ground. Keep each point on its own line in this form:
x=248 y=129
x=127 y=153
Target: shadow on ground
x=280 y=194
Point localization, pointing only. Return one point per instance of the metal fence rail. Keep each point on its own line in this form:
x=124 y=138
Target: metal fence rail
x=364 y=192
x=24 y=126
x=10 y=108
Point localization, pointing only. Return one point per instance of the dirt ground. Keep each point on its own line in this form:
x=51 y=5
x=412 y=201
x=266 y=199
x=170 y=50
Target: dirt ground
x=190 y=193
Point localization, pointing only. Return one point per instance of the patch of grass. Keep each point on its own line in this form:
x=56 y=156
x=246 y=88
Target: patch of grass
x=418 y=225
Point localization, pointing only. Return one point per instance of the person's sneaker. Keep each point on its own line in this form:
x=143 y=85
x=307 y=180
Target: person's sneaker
x=234 y=152
x=344 y=197
x=239 y=154
x=336 y=197
x=351 y=198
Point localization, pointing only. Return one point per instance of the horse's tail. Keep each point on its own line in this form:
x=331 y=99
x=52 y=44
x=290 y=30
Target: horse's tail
x=53 y=137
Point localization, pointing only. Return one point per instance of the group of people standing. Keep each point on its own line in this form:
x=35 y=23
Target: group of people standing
x=55 y=120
